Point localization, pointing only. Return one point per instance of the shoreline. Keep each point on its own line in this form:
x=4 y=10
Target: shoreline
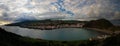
x=102 y=30
x=48 y=28
x=95 y=29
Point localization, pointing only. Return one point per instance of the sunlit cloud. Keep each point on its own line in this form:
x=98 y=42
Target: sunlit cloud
x=17 y=10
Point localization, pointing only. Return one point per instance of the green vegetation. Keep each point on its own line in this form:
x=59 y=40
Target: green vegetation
x=101 y=24
x=49 y=24
x=10 y=39
x=45 y=22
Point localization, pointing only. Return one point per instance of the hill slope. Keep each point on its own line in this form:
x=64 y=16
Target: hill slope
x=100 y=23
x=10 y=39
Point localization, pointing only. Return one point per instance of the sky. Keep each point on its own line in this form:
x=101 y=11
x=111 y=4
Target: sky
x=19 y=10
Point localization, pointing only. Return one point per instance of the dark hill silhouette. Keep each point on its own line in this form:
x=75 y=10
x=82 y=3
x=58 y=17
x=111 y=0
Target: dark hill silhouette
x=45 y=22
x=10 y=39
x=100 y=23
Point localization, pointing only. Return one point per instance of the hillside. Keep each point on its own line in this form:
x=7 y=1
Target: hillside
x=45 y=22
x=49 y=24
x=100 y=23
x=10 y=39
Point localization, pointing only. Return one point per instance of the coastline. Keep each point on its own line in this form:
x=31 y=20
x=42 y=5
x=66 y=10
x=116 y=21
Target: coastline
x=54 y=27
x=101 y=30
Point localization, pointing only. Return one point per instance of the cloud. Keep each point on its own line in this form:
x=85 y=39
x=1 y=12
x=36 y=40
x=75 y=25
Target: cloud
x=13 y=10
x=53 y=15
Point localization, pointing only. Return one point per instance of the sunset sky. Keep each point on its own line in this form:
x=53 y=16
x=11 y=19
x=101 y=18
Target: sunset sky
x=18 y=10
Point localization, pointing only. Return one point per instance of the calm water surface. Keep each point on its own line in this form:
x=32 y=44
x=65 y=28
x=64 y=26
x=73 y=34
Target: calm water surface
x=64 y=34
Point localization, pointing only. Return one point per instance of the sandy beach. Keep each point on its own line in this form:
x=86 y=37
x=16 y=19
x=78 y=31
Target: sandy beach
x=105 y=31
x=101 y=30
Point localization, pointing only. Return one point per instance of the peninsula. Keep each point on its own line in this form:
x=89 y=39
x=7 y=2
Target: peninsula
x=49 y=24
x=101 y=25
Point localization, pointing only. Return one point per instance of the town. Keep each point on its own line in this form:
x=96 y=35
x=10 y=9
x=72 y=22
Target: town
x=47 y=26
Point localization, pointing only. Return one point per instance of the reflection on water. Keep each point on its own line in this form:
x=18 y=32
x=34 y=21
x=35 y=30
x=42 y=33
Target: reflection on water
x=64 y=34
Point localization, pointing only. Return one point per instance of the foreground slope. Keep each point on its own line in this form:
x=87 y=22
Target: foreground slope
x=10 y=39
